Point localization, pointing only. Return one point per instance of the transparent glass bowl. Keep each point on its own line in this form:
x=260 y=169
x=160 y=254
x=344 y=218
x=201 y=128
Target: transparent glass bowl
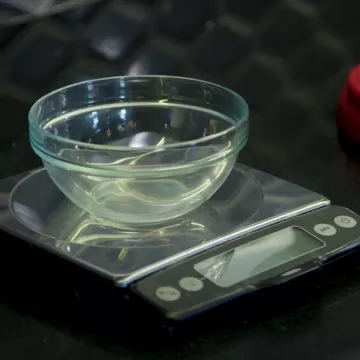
x=139 y=150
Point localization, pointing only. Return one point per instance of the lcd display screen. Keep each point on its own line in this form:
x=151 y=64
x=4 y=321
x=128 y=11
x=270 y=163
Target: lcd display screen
x=258 y=256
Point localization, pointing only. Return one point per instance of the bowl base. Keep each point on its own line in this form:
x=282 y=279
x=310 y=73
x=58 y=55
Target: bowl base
x=51 y=214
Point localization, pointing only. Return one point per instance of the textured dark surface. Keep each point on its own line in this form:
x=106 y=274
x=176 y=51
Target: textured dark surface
x=288 y=58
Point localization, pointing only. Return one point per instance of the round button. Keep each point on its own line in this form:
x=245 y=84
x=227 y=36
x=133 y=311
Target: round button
x=345 y=221
x=325 y=229
x=168 y=293
x=191 y=284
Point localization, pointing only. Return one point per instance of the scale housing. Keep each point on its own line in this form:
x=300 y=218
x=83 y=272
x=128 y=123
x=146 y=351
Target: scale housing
x=33 y=209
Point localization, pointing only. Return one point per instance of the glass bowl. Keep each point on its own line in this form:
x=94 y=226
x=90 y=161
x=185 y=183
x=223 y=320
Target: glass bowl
x=139 y=150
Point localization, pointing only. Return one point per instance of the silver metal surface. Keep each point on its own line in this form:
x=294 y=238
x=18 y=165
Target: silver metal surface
x=32 y=208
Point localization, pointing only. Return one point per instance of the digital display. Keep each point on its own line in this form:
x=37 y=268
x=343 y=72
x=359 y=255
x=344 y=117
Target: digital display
x=258 y=256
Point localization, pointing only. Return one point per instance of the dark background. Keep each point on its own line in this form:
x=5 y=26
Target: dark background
x=288 y=58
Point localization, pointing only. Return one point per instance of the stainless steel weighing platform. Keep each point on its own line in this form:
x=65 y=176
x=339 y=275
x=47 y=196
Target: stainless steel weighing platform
x=33 y=209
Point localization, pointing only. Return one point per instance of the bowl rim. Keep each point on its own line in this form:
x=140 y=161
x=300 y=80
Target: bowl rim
x=89 y=146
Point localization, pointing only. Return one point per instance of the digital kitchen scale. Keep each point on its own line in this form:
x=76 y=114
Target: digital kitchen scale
x=255 y=232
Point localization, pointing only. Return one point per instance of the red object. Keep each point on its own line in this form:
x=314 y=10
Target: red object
x=348 y=117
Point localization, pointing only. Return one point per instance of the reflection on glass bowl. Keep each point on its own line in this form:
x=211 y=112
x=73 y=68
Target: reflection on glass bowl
x=93 y=232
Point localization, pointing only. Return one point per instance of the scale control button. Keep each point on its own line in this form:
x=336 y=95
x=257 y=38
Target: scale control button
x=167 y=293
x=191 y=284
x=345 y=221
x=325 y=229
